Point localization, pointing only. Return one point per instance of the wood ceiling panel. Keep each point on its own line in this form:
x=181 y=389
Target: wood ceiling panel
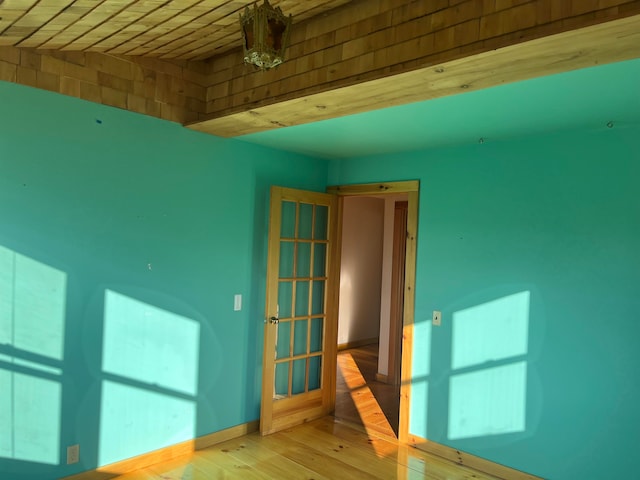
x=171 y=29
x=164 y=43
x=167 y=19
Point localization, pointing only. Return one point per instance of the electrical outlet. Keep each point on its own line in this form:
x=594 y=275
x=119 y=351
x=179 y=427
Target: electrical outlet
x=73 y=454
x=437 y=318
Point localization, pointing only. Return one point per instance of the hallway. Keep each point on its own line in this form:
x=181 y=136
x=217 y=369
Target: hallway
x=362 y=400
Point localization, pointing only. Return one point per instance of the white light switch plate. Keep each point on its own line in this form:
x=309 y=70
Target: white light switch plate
x=237 y=302
x=437 y=318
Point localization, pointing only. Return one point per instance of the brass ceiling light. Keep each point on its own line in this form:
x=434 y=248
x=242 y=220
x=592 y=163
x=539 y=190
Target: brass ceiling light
x=265 y=35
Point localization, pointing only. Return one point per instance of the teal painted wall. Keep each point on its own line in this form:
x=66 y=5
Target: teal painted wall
x=116 y=226
x=530 y=249
x=123 y=240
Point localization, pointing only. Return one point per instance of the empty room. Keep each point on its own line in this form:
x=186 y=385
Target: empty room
x=319 y=239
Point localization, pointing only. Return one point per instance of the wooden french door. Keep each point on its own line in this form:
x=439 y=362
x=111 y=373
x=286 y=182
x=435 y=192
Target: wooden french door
x=298 y=382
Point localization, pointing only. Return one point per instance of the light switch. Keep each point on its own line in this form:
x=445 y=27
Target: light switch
x=437 y=318
x=237 y=302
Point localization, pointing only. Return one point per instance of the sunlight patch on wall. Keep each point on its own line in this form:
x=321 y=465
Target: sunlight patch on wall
x=421 y=367
x=488 y=402
x=32 y=316
x=151 y=345
x=29 y=418
x=422 y=337
x=484 y=398
x=32 y=305
x=492 y=331
x=134 y=421
x=153 y=356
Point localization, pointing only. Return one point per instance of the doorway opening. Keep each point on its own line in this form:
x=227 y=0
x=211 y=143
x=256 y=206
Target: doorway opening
x=303 y=297
x=370 y=321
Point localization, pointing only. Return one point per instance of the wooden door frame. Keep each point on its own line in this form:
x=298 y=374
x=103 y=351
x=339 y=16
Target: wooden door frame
x=396 y=301
x=412 y=189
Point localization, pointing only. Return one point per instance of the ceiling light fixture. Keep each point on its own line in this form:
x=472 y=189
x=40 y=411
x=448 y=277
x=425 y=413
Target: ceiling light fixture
x=265 y=35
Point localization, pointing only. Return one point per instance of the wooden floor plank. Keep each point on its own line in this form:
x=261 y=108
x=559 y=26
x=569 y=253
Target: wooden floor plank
x=341 y=451
x=324 y=449
x=313 y=456
x=360 y=398
x=231 y=466
x=416 y=461
x=360 y=444
x=254 y=451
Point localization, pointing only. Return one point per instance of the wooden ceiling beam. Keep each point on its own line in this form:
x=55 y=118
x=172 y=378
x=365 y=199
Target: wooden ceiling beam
x=371 y=55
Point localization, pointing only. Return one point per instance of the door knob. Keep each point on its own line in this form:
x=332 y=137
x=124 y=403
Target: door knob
x=274 y=320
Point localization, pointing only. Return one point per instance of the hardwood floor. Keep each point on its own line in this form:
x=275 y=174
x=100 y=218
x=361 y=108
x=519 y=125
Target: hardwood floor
x=324 y=449
x=358 y=443
x=362 y=400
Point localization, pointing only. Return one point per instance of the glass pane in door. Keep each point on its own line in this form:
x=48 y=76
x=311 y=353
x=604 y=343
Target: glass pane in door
x=302 y=299
x=281 y=383
x=317 y=299
x=315 y=340
x=288 y=226
x=299 y=374
x=283 y=344
x=305 y=226
x=300 y=337
x=315 y=372
x=319 y=259
x=302 y=280
x=321 y=222
x=286 y=259
x=303 y=260
x=285 y=293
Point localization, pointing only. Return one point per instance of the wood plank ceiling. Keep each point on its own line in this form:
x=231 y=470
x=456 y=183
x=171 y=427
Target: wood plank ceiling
x=181 y=60
x=168 y=29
